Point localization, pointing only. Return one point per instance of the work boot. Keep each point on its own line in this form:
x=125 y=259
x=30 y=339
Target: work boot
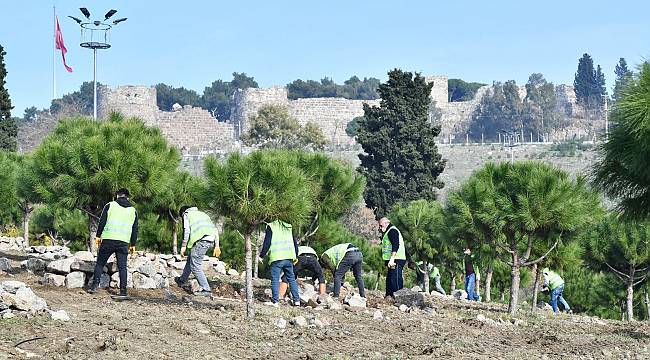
x=93 y=288
x=178 y=281
x=203 y=293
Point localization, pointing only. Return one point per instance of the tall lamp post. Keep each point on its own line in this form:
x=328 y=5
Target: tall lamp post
x=96 y=34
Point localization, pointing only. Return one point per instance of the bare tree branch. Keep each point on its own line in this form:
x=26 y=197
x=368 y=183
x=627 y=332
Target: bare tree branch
x=618 y=272
x=557 y=241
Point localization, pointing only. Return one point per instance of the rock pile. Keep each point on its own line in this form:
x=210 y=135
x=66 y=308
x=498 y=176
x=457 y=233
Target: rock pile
x=145 y=270
x=17 y=299
x=11 y=243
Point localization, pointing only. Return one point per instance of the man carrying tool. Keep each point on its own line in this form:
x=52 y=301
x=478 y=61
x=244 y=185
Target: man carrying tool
x=554 y=282
x=307 y=265
x=341 y=258
x=116 y=234
x=199 y=235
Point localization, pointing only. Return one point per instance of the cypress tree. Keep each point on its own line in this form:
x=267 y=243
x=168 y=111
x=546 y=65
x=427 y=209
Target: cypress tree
x=400 y=160
x=8 y=128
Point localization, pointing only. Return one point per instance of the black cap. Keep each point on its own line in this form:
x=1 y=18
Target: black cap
x=183 y=209
x=123 y=191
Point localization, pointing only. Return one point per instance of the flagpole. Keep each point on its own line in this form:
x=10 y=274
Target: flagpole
x=54 y=56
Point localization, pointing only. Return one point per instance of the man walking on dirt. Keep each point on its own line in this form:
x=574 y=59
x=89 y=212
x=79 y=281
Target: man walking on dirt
x=555 y=283
x=307 y=265
x=116 y=234
x=199 y=235
x=394 y=255
x=472 y=276
x=283 y=253
x=341 y=258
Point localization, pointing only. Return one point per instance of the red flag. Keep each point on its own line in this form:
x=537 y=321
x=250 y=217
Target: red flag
x=60 y=45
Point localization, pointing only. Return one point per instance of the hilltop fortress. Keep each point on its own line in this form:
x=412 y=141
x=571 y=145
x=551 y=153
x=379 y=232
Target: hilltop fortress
x=195 y=128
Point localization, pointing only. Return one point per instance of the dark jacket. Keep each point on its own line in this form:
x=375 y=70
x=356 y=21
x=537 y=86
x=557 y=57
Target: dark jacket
x=123 y=202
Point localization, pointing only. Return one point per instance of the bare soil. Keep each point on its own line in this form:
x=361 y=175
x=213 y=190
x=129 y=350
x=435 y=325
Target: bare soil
x=170 y=324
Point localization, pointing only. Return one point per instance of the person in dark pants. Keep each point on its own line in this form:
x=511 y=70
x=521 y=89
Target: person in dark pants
x=341 y=258
x=472 y=276
x=116 y=234
x=307 y=265
x=394 y=255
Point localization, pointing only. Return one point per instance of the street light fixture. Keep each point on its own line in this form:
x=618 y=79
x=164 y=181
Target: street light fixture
x=95 y=34
x=510 y=136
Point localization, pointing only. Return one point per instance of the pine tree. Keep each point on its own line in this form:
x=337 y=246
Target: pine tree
x=623 y=77
x=599 y=90
x=400 y=161
x=8 y=128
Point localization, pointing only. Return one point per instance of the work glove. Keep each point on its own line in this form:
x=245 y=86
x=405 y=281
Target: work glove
x=295 y=261
x=98 y=241
x=216 y=252
x=131 y=250
x=183 y=248
x=391 y=263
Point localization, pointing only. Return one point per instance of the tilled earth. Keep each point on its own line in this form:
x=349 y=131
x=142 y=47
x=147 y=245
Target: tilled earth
x=172 y=325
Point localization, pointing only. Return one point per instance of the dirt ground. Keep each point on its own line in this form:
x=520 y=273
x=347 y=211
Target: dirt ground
x=172 y=325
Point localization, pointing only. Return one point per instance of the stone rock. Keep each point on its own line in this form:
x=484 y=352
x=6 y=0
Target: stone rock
x=104 y=281
x=60 y=266
x=83 y=266
x=141 y=281
x=308 y=295
x=355 y=301
x=308 y=288
x=317 y=323
x=26 y=300
x=75 y=279
x=177 y=107
x=179 y=265
x=437 y=294
x=280 y=323
x=377 y=315
x=8 y=315
x=324 y=299
x=403 y=308
x=409 y=298
x=486 y=320
x=147 y=269
x=12 y=286
x=162 y=282
x=34 y=265
x=299 y=321
x=416 y=288
x=3 y=306
x=5 y=264
x=39 y=249
x=150 y=256
x=50 y=279
x=60 y=315
x=335 y=305
x=194 y=286
x=165 y=256
x=233 y=272
x=84 y=256
x=220 y=268
x=50 y=256
x=459 y=294
x=115 y=280
x=544 y=306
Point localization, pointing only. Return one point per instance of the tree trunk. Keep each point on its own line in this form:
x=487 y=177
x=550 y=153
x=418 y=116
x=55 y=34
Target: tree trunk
x=426 y=278
x=250 y=310
x=630 y=296
x=514 y=288
x=93 y=223
x=378 y=279
x=535 y=288
x=257 y=254
x=27 y=214
x=175 y=239
x=453 y=281
x=488 y=282
x=647 y=306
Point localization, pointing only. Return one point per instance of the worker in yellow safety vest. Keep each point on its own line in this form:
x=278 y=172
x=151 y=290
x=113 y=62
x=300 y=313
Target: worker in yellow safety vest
x=554 y=282
x=282 y=249
x=341 y=258
x=117 y=233
x=394 y=255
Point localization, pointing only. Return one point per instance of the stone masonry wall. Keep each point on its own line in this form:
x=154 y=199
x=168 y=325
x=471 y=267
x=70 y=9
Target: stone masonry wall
x=331 y=114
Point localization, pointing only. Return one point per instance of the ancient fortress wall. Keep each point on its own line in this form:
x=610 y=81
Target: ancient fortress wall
x=187 y=127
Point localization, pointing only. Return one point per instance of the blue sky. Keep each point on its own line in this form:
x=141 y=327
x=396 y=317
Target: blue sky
x=192 y=43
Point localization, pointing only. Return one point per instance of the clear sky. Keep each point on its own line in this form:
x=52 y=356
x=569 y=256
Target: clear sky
x=192 y=43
